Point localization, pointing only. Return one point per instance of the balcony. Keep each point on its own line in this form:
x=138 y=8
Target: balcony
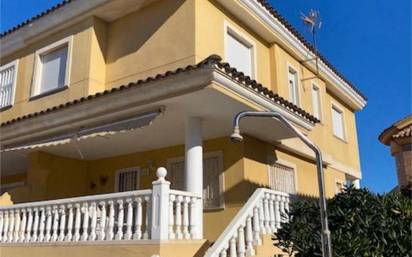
x=153 y=214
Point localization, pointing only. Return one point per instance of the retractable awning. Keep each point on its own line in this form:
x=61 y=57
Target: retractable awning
x=103 y=130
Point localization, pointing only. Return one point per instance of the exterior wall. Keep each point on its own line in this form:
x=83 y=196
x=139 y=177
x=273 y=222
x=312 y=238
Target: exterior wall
x=272 y=68
x=83 y=80
x=136 y=249
x=256 y=158
x=211 y=20
x=150 y=41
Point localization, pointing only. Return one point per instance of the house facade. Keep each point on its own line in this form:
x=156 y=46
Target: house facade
x=399 y=138
x=97 y=95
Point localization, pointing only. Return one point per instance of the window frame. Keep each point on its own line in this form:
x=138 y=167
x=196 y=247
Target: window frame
x=14 y=63
x=339 y=109
x=272 y=160
x=341 y=182
x=236 y=33
x=219 y=155
x=314 y=85
x=124 y=170
x=36 y=87
x=290 y=68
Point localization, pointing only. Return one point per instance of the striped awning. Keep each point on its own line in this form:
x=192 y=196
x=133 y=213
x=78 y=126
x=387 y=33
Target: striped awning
x=103 y=130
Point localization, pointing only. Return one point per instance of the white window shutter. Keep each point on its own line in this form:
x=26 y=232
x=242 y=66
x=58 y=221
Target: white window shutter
x=53 y=69
x=239 y=54
x=176 y=175
x=211 y=186
x=293 y=87
x=282 y=178
x=338 y=123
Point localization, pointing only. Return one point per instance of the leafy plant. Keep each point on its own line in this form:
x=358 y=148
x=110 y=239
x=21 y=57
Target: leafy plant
x=361 y=223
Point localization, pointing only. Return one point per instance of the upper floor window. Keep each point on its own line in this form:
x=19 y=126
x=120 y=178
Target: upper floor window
x=338 y=122
x=52 y=67
x=239 y=52
x=293 y=86
x=8 y=77
x=316 y=102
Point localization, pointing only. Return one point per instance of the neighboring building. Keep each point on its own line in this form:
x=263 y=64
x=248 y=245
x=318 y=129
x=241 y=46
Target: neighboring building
x=96 y=95
x=399 y=138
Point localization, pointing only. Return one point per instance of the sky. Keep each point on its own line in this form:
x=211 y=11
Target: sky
x=369 y=41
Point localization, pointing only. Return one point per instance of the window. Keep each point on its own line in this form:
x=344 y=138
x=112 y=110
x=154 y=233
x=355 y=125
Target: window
x=282 y=178
x=212 y=178
x=52 y=67
x=239 y=52
x=339 y=187
x=293 y=86
x=316 y=102
x=338 y=123
x=127 y=180
x=8 y=76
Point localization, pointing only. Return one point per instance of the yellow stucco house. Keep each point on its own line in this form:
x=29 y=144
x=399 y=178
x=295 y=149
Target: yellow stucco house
x=96 y=96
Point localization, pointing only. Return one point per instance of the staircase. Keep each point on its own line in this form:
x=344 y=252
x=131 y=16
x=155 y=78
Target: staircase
x=260 y=217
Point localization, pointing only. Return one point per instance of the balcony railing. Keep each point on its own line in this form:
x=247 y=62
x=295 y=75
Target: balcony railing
x=263 y=214
x=158 y=213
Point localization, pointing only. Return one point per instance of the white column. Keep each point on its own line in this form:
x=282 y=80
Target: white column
x=194 y=164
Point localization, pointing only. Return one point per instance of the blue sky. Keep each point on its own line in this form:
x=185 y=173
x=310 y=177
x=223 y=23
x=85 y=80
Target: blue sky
x=369 y=41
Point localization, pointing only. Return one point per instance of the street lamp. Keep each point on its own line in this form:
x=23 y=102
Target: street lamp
x=237 y=137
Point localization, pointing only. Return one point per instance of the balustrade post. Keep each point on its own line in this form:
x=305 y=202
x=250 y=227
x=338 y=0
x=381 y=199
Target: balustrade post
x=11 y=226
x=102 y=224
x=129 y=219
x=42 y=224
x=250 y=251
x=160 y=201
x=23 y=225
x=277 y=211
x=1 y=225
x=35 y=226
x=55 y=223
x=93 y=213
x=62 y=223
x=256 y=226
x=6 y=226
x=17 y=222
x=69 y=234
x=110 y=226
x=77 y=223
x=138 y=222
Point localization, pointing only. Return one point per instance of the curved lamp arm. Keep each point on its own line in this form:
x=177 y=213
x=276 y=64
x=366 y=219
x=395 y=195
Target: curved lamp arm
x=237 y=137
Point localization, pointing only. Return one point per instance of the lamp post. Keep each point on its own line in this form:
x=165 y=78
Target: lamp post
x=237 y=137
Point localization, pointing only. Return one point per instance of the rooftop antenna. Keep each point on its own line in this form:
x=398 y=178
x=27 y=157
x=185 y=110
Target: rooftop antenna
x=313 y=23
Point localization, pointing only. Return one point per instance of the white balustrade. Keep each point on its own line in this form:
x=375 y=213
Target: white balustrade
x=261 y=215
x=133 y=215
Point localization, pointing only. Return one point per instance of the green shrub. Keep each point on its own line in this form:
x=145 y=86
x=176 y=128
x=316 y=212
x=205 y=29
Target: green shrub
x=361 y=224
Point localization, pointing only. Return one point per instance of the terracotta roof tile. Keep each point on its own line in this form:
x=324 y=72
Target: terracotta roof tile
x=405 y=132
x=36 y=17
x=213 y=61
x=264 y=3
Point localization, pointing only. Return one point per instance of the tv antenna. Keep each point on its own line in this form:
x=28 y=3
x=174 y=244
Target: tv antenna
x=313 y=23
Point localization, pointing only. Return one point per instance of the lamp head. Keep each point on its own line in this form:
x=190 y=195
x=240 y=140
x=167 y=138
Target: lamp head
x=236 y=137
